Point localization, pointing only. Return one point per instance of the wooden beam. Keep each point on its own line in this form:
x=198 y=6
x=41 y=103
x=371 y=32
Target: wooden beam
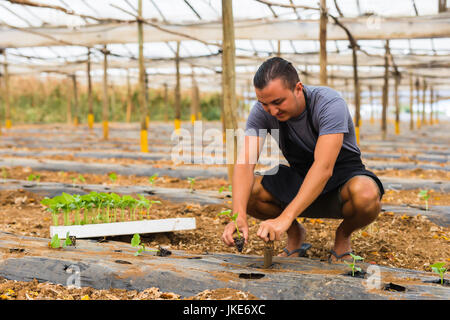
x=75 y=100
x=424 y=100
x=105 y=110
x=177 y=105
x=142 y=87
x=166 y=102
x=90 y=101
x=397 y=103
x=385 y=92
x=6 y=91
x=129 y=100
x=418 y=102
x=411 y=103
x=229 y=81
x=431 y=104
x=323 y=42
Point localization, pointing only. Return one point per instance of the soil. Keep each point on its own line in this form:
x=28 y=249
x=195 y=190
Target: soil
x=391 y=240
x=33 y=290
x=394 y=240
x=239 y=243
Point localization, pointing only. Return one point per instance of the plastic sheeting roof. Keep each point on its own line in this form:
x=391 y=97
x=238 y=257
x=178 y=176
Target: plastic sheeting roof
x=427 y=57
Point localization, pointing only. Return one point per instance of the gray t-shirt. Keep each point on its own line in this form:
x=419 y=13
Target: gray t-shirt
x=329 y=113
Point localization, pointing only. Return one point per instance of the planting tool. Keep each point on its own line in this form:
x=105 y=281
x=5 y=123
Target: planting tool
x=268 y=253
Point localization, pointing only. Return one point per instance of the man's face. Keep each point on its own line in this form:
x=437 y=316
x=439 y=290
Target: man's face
x=280 y=101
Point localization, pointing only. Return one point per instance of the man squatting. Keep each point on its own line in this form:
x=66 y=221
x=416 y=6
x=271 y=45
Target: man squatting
x=325 y=177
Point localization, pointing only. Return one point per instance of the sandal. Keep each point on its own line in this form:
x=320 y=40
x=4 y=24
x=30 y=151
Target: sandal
x=339 y=257
x=301 y=251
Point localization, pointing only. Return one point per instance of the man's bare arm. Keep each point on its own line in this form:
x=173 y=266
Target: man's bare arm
x=325 y=155
x=243 y=179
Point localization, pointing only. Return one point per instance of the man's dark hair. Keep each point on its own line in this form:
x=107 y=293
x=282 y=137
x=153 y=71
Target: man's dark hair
x=275 y=68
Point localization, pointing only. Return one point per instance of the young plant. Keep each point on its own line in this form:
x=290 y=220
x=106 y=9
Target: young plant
x=113 y=177
x=136 y=242
x=4 y=173
x=191 y=184
x=153 y=178
x=239 y=241
x=33 y=177
x=353 y=264
x=439 y=269
x=424 y=195
x=55 y=243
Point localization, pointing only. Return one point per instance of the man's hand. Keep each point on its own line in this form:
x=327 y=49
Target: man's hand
x=272 y=229
x=230 y=229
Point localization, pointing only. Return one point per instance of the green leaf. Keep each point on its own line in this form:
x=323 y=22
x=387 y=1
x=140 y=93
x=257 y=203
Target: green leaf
x=225 y=213
x=438 y=265
x=355 y=257
x=55 y=243
x=136 y=240
x=68 y=242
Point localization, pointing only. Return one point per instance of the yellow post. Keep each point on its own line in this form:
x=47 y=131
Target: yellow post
x=90 y=102
x=144 y=141
x=177 y=105
x=397 y=103
x=90 y=120
x=105 y=111
x=142 y=87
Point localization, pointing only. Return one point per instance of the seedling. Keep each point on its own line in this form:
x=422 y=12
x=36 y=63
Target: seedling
x=101 y=206
x=79 y=178
x=353 y=264
x=153 y=178
x=239 y=241
x=55 y=243
x=221 y=189
x=191 y=184
x=136 y=242
x=424 y=195
x=4 y=173
x=33 y=177
x=113 y=177
x=439 y=269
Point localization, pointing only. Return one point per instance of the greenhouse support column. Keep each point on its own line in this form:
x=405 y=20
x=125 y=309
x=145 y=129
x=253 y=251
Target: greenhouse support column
x=147 y=99
x=177 y=91
x=69 y=103
x=90 y=102
x=436 y=115
x=194 y=99
x=142 y=88
x=357 y=91
x=424 y=101
x=411 y=103
x=418 y=103
x=166 y=103
x=431 y=105
x=129 y=103
x=75 y=100
x=7 y=97
x=323 y=42
x=198 y=110
x=385 y=92
x=229 y=83
x=372 y=107
x=105 y=100
x=397 y=103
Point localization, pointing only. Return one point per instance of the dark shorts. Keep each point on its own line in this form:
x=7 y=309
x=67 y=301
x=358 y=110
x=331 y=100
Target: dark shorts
x=284 y=186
